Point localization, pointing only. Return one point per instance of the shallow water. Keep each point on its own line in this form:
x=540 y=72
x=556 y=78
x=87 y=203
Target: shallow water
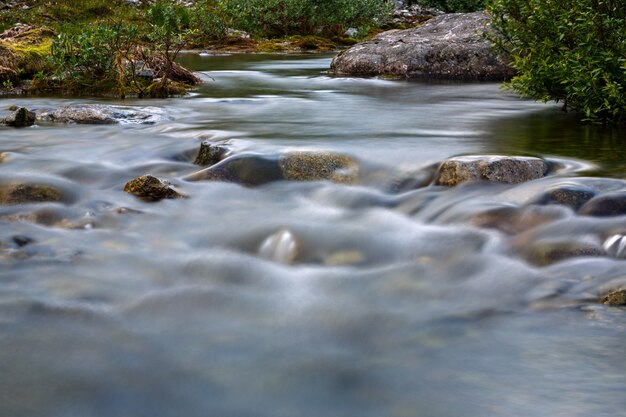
x=397 y=301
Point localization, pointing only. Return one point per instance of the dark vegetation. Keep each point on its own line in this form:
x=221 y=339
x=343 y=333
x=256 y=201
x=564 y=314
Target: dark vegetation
x=573 y=52
x=110 y=47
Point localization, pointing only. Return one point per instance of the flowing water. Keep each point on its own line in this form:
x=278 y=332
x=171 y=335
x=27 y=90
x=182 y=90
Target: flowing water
x=390 y=299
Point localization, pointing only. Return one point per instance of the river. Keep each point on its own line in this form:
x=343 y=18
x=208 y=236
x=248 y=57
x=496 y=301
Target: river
x=399 y=300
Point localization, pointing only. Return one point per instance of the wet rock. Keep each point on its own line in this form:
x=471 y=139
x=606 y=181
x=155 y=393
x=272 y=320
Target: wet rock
x=254 y=169
x=571 y=195
x=315 y=166
x=548 y=252
x=615 y=298
x=502 y=169
x=24 y=193
x=95 y=114
x=211 y=153
x=451 y=46
x=246 y=169
x=615 y=246
x=151 y=188
x=514 y=220
x=605 y=205
x=21 y=117
x=280 y=247
x=21 y=241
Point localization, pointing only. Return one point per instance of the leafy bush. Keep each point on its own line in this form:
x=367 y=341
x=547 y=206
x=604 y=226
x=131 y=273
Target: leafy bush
x=573 y=51
x=93 y=56
x=453 y=6
x=304 y=17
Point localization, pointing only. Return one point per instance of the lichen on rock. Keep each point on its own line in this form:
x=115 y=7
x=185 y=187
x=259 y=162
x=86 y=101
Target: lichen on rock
x=450 y=46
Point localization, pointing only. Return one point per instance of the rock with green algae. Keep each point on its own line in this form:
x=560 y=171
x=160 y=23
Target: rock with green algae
x=24 y=193
x=492 y=168
x=151 y=188
x=22 y=117
x=254 y=169
x=615 y=298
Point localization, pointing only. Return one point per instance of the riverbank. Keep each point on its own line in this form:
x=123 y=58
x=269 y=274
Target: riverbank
x=129 y=48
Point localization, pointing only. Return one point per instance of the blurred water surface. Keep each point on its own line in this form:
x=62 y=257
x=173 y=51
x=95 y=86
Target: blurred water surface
x=395 y=303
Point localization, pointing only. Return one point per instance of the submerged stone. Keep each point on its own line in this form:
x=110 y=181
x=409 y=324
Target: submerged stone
x=571 y=195
x=605 y=205
x=24 y=193
x=501 y=169
x=280 y=247
x=21 y=117
x=254 y=169
x=615 y=298
x=514 y=220
x=151 y=188
x=547 y=253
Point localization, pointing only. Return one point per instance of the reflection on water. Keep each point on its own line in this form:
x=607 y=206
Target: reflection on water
x=310 y=298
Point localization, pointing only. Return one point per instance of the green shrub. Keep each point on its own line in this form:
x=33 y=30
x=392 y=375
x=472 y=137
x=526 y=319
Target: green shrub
x=570 y=51
x=94 y=55
x=454 y=6
x=276 y=18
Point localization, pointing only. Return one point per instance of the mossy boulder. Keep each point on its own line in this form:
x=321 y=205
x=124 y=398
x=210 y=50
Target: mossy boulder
x=151 y=188
x=24 y=193
x=21 y=117
x=253 y=169
x=501 y=169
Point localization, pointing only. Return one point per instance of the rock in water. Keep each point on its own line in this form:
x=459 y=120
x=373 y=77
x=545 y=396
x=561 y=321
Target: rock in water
x=615 y=298
x=503 y=169
x=451 y=46
x=253 y=169
x=211 y=153
x=151 y=188
x=280 y=247
x=315 y=166
x=96 y=114
x=24 y=193
x=605 y=205
x=21 y=117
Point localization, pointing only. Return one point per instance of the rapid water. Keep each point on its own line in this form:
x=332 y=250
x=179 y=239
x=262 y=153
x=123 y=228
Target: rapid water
x=415 y=301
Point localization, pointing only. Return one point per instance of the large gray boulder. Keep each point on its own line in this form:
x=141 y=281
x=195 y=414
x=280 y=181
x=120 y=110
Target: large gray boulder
x=450 y=46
